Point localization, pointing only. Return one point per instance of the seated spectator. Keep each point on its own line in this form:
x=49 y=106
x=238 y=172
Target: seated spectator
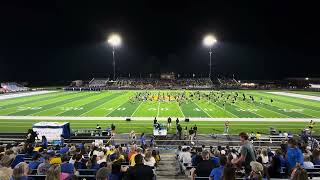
x=79 y=164
x=132 y=159
x=229 y=173
x=264 y=156
x=274 y=169
x=54 y=173
x=139 y=170
x=205 y=167
x=217 y=173
x=5 y=169
x=256 y=171
x=92 y=163
x=43 y=167
x=149 y=159
x=316 y=157
x=103 y=173
x=185 y=156
x=294 y=155
x=298 y=173
x=20 y=172
x=66 y=167
x=216 y=158
x=35 y=162
x=156 y=156
x=307 y=162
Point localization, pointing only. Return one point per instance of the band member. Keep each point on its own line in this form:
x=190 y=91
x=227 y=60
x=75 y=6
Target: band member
x=177 y=121
x=155 y=121
x=98 y=126
x=226 y=127
x=169 y=122
x=311 y=125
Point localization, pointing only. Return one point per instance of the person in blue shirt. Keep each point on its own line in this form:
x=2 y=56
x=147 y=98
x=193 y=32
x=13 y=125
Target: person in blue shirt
x=35 y=162
x=217 y=173
x=294 y=155
x=44 y=142
x=142 y=139
x=216 y=158
x=66 y=167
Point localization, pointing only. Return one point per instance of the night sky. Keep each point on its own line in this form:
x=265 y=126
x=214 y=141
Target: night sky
x=48 y=40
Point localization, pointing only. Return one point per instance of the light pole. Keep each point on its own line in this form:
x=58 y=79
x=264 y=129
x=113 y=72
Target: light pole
x=209 y=41
x=114 y=40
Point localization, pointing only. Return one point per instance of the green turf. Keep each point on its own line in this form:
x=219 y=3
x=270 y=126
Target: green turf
x=204 y=127
x=117 y=104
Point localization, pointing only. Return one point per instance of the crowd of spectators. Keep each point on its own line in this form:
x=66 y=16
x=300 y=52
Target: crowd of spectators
x=292 y=160
x=69 y=161
x=152 y=83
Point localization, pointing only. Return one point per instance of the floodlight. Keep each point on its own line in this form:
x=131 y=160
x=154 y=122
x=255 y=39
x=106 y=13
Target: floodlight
x=209 y=40
x=114 y=40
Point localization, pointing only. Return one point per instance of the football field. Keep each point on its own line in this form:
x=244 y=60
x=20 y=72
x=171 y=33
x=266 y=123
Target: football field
x=120 y=104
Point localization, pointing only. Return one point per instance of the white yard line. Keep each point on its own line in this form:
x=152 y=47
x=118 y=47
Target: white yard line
x=136 y=110
x=202 y=109
x=66 y=118
x=302 y=96
x=181 y=110
x=117 y=107
x=23 y=94
x=158 y=108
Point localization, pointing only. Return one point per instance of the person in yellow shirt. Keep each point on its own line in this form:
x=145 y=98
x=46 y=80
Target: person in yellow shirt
x=311 y=125
x=138 y=151
x=258 y=136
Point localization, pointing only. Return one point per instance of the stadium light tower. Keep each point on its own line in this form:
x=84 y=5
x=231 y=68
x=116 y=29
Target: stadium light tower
x=114 y=40
x=209 y=41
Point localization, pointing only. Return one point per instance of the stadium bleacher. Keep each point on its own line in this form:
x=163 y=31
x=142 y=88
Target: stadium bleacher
x=13 y=87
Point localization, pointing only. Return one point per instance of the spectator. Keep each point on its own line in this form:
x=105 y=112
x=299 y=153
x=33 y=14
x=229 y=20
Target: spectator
x=149 y=159
x=205 y=167
x=316 y=156
x=139 y=170
x=247 y=153
x=264 y=156
x=256 y=171
x=66 y=167
x=54 y=173
x=103 y=173
x=217 y=173
x=185 y=156
x=5 y=169
x=307 y=163
x=274 y=169
x=143 y=139
x=216 y=158
x=298 y=173
x=132 y=159
x=92 y=163
x=20 y=172
x=229 y=173
x=35 y=162
x=294 y=155
x=44 y=142
x=43 y=167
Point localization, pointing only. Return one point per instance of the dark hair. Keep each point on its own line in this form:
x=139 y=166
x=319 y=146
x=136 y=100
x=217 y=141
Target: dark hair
x=229 y=173
x=223 y=160
x=244 y=135
x=292 y=142
x=64 y=158
x=138 y=159
x=102 y=173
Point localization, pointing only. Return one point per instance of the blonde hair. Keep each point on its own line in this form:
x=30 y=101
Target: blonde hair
x=20 y=170
x=54 y=172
